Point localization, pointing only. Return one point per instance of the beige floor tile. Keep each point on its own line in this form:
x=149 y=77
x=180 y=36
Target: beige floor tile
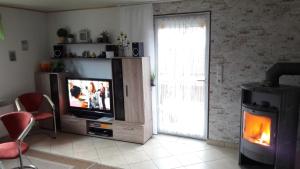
x=87 y=155
x=113 y=160
x=44 y=146
x=210 y=155
x=144 y=165
x=136 y=156
x=167 y=138
x=124 y=166
x=125 y=147
x=161 y=151
x=189 y=159
x=108 y=151
x=65 y=149
x=167 y=163
x=157 y=152
x=199 y=166
x=225 y=163
x=101 y=143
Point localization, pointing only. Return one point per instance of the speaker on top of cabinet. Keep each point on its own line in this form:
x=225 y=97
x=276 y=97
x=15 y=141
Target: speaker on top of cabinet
x=58 y=51
x=137 y=49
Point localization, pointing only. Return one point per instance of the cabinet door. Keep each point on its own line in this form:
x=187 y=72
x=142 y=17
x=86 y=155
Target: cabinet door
x=133 y=90
x=118 y=89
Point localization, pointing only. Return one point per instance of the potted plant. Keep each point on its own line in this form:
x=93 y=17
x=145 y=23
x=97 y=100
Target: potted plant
x=123 y=43
x=105 y=37
x=62 y=34
x=58 y=66
x=152 y=79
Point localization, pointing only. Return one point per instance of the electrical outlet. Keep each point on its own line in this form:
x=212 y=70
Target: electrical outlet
x=12 y=56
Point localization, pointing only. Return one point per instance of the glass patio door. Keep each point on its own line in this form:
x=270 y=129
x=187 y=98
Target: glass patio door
x=182 y=71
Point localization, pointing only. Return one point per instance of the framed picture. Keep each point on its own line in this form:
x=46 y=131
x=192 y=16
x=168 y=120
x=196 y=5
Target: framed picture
x=84 y=36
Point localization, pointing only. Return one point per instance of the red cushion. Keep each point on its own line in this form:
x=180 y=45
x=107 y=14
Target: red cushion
x=9 y=150
x=16 y=123
x=31 y=101
x=42 y=116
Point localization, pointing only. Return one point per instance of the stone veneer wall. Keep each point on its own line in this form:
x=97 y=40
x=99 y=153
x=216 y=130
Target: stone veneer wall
x=247 y=37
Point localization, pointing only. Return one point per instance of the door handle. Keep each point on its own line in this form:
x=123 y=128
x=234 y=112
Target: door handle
x=126 y=90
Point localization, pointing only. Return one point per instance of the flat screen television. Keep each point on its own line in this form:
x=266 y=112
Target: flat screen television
x=89 y=98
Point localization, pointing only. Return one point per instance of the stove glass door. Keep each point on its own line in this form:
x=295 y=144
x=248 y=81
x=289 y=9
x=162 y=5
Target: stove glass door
x=257 y=128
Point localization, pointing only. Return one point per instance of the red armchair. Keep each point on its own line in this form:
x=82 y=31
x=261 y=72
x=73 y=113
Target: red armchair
x=32 y=102
x=18 y=125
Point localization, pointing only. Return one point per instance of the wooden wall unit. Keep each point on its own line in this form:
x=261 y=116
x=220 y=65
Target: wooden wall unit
x=135 y=125
x=132 y=120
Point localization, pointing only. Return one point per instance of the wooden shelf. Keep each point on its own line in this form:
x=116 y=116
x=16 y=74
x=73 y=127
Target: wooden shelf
x=125 y=57
x=81 y=58
x=84 y=43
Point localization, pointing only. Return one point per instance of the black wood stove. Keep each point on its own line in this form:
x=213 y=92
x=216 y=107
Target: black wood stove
x=269 y=120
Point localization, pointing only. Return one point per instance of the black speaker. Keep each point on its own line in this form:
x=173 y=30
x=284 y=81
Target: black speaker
x=137 y=49
x=58 y=51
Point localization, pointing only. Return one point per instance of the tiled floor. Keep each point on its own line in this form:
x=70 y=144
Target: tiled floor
x=160 y=152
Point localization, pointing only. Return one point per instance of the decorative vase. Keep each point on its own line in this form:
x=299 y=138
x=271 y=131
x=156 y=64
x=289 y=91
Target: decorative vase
x=61 y=39
x=70 y=40
x=121 y=51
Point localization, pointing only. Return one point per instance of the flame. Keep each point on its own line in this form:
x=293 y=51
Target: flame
x=257 y=129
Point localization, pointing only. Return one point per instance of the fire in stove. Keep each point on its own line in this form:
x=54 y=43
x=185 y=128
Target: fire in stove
x=257 y=129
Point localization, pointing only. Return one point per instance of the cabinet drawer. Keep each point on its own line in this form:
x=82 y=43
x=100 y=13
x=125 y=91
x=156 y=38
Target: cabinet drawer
x=129 y=138
x=77 y=126
x=128 y=129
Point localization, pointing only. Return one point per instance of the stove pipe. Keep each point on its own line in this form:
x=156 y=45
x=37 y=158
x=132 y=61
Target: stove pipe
x=273 y=74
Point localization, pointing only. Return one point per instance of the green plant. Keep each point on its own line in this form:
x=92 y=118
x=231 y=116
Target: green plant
x=105 y=36
x=62 y=32
x=152 y=79
x=153 y=76
x=58 y=66
x=122 y=40
x=2 y=35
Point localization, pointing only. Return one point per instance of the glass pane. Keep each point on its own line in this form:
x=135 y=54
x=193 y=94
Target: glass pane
x=257 y=129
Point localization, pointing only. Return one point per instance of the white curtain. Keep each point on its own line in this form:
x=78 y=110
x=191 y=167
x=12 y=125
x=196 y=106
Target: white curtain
x=137 y=22
x=182 y=55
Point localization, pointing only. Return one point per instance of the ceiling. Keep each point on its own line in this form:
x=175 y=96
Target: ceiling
x=63 y=5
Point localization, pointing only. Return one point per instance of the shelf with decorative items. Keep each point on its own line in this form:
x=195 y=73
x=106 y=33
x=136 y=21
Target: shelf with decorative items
x=84 y=43
x=81 y=57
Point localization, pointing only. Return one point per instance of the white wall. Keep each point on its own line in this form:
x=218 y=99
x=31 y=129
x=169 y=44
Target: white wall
x=5 y=107
x=18 y=77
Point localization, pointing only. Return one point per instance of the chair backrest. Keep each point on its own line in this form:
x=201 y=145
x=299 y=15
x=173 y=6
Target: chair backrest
x=17 y=124
x=31 y=101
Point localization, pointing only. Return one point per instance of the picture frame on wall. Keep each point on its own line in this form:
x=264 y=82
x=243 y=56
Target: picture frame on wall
x=84 y=36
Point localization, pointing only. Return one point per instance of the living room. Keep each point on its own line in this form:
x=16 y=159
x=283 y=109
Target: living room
x=179 y=83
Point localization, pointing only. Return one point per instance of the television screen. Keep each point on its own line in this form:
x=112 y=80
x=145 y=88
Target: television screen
x=94 y=94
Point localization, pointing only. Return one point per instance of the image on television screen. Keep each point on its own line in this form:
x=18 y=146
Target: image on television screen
x=89 y=94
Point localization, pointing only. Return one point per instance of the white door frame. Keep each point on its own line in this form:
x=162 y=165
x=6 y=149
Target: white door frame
x=207 y=67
